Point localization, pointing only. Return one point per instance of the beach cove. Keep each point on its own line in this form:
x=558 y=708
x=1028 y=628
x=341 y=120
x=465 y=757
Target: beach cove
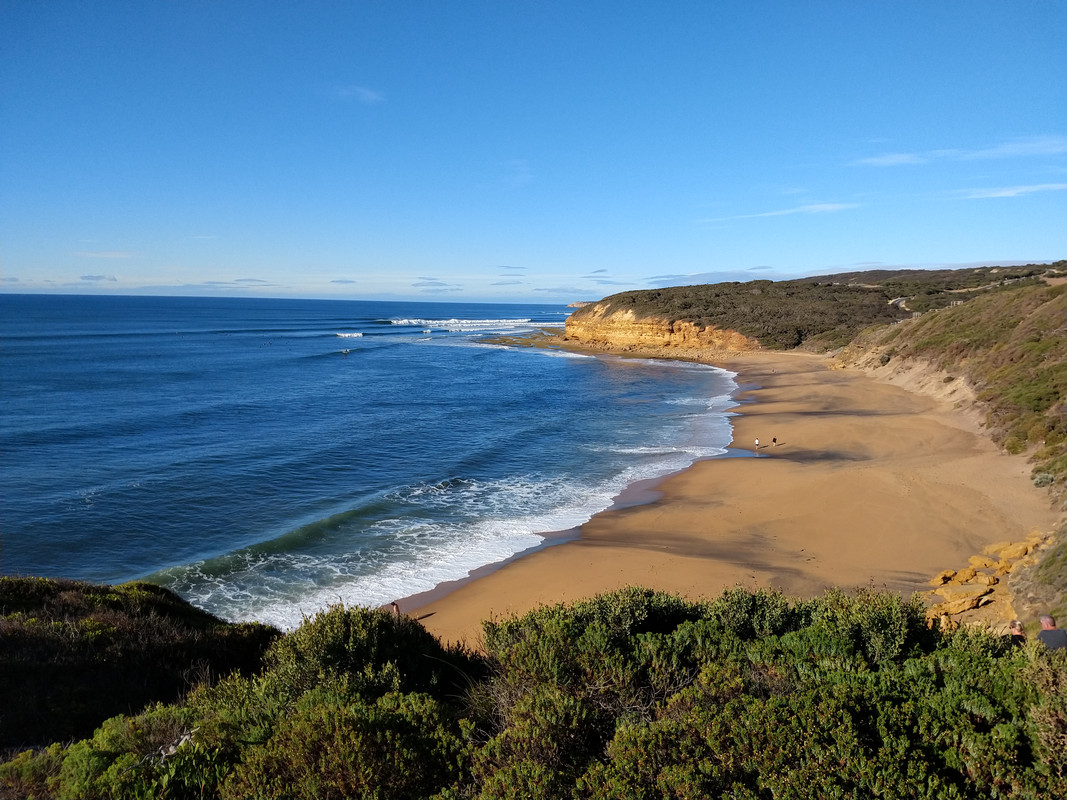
x=867 y=485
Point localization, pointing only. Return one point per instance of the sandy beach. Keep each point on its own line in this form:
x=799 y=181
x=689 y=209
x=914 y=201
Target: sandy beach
x=868 y=485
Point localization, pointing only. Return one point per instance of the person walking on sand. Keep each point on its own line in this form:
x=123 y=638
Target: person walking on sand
x=757 y=444
x=774 y=441
x=1052 y=637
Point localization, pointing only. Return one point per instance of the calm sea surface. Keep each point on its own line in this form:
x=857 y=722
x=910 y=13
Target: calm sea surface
x=265 y=458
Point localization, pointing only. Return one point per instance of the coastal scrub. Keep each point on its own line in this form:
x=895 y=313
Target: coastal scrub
x=634 y=694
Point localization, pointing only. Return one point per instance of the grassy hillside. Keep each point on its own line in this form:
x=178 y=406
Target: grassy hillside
x=631 y=695
x=1011 y=346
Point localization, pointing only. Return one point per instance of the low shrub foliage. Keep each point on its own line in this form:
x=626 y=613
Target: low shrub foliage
x=634 y=694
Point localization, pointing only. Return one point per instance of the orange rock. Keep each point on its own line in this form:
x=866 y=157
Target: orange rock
x=964 y=575
x=957 y=606
x=943 y=577
x=994 y=549
x=1015 y=551
x=953 y=592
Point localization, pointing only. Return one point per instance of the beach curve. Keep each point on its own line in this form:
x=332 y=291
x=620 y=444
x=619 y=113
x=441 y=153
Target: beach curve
x=864 y=484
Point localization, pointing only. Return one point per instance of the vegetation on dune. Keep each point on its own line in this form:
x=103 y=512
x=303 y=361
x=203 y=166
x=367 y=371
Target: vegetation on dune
x=636 y=694
x=1011 y=346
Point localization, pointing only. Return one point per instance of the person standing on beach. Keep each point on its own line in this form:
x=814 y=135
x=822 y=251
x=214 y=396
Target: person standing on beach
x=757 y=444
x=1053 y=637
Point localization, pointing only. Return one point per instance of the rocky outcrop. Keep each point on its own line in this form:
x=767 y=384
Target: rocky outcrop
x=979 y=584
x=600 y=326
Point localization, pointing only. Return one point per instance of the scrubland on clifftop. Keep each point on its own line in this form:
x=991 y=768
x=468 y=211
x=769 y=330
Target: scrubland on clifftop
x=635 y=694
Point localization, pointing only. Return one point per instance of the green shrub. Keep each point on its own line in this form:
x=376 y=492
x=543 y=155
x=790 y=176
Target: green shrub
x=881 y=626
x=128 y=645
x=634 y=694
x=398 y=746
x=378 y=651
x=752 y=614
x=32 y=774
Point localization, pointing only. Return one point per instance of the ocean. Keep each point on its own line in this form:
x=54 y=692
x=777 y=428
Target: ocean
x=267 y=458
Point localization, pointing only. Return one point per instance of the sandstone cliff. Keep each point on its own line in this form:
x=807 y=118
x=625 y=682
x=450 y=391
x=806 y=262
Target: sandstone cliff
x=598 y=325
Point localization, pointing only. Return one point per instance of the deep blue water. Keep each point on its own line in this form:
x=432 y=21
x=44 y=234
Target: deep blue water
x=265 y=458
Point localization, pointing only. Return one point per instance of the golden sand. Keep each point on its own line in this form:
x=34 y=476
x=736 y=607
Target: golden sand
x=868 y=485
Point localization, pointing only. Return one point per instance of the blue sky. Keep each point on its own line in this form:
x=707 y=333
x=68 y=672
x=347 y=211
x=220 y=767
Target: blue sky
x=522 y=151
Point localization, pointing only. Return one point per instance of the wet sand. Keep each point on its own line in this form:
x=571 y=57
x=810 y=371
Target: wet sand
x=868 y=485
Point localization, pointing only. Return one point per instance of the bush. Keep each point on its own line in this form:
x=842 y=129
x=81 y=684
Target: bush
x=398 y=746
x=32 y=773
x=128 y=646
x=379 y=652
x=634 y=694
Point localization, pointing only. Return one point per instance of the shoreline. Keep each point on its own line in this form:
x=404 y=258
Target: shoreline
x=869 y=485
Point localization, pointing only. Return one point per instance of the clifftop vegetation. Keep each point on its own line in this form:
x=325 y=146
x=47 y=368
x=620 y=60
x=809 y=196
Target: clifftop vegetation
x=822 y=312
x=73 y=654
x=631 y=695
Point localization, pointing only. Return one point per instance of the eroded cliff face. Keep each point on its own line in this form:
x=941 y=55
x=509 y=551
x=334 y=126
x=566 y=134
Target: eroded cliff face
x=597 y=325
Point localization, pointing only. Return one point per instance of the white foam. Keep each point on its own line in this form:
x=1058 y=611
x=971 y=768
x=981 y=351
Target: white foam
x=473 y=325
x=441 y=532
x=281 y=589
x=350 y=335
x=436 y=553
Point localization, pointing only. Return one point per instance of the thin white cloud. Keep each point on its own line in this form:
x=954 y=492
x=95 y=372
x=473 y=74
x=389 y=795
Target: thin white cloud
x=1015 y=191
x=1019 y=148
x=508 y=283
x=811 y=208
x=361 y=94
x=342 y=280
x=106 y=254
x=237 y=283
x=891 y=160
x=97 y=278
x=433 y=285
x=1016 y=148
